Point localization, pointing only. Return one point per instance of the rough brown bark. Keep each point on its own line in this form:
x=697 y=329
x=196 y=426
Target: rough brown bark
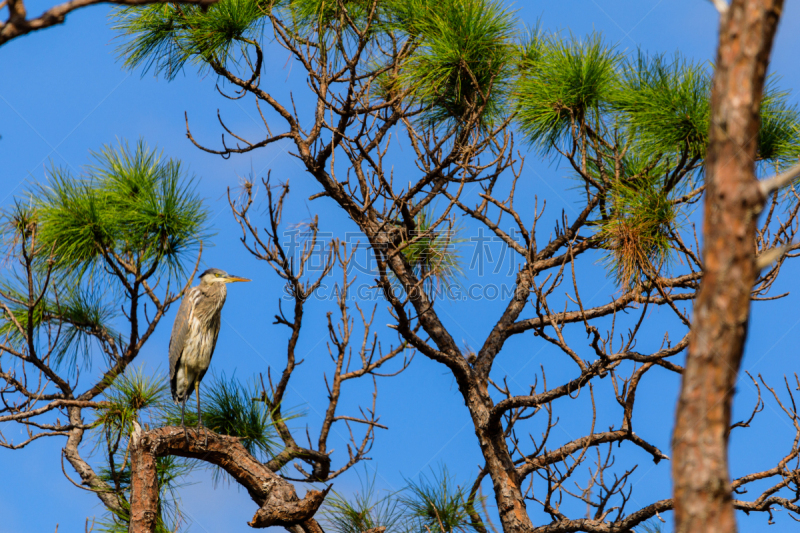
x=703 y=501
x=276 y=497
x=144 y=486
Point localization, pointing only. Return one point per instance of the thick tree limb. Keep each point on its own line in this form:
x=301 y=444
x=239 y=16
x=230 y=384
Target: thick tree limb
x=279 y=504
x=18 y=25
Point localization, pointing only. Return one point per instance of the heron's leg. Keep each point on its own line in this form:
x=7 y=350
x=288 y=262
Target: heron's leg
x=197 y=394
x=183 y=418
x=199 y=413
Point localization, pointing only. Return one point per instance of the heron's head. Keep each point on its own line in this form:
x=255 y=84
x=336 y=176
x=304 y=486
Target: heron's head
x=215 y=275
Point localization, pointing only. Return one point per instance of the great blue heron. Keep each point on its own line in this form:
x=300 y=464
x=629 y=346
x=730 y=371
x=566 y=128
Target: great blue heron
x=194 y=336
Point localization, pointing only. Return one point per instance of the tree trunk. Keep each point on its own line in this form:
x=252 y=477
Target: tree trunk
x=702 y=492
x=144 y=488
x=508 y=495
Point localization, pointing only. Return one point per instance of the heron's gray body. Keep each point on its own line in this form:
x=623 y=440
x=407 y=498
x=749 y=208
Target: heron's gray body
x=194 y=336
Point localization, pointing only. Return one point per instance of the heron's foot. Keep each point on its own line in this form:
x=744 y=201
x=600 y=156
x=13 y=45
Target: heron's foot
x=201 y=427
x=185 y=432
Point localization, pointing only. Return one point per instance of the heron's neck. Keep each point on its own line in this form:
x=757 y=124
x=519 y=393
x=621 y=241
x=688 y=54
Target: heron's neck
x=217 y=291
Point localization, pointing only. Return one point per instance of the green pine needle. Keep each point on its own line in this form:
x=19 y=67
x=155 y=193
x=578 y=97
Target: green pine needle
x=128 y=396
x=665 y=104
x=132 y=203
x=229 y=408
x=636 y=231
x=437 y=504
x=563 y=80
x=462 y=63
x=76 y=314
x=779 y=136
x=433 y=253
x=363 y=510
x=164 y=37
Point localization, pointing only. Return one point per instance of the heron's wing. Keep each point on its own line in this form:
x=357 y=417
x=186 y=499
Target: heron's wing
x=180 y=331
x=215 y=324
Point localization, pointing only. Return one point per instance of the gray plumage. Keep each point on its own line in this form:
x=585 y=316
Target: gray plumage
x=194 y=335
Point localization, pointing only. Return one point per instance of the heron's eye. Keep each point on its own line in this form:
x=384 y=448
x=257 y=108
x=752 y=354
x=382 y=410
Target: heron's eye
x=218 y=275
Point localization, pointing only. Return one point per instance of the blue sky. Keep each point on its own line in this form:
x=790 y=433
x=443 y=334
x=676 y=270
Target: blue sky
x=63 y=93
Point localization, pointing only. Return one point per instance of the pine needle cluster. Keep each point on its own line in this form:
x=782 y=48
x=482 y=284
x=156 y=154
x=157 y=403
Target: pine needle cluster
x=437 y=503
x=637 y=231
x=431 y=504
x=165 y=37
x=633 y=120
x=433 y=252
x=129 y=397
x=132 y=205
x=561 y=81
x=229 y=408
x=365 y=509
x=77 y=312
x=463 y=61
x=779 y=135
x=130 y=210
x=664 y=104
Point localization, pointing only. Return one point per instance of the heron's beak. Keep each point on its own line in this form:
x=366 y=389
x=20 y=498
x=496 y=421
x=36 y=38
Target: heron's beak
x=231 y=279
